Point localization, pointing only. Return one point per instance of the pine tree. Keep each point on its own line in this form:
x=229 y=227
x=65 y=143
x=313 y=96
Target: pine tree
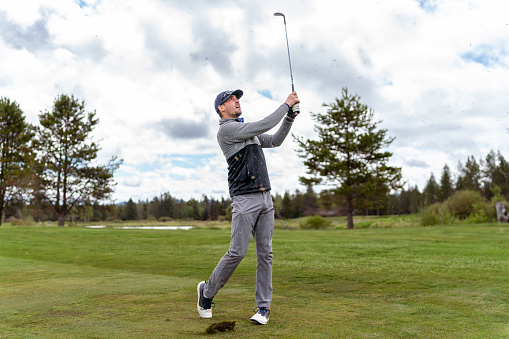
x=15 y=152
x=469 y=175
x=287 y=211
x=431 y=191
x=130 y=211
x=350 y=153
x=68 y=173
x=446 y=185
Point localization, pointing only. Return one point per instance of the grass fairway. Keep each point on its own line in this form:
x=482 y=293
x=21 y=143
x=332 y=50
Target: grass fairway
x=413 y=282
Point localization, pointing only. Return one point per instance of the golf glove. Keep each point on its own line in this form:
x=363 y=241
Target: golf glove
x=293 y=111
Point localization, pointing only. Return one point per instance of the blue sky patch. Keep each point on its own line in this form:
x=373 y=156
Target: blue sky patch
x=191 y=161
x=266 y=93
x=176 y=160
x=486 y=55
x=429 y=6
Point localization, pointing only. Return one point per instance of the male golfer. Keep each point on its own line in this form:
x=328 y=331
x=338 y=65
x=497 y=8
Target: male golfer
x=249 y=186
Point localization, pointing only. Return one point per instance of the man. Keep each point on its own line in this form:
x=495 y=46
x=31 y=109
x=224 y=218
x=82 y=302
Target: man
x=249 y=188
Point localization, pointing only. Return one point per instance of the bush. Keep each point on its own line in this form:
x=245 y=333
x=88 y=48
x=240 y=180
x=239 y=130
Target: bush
x=165 y=219
x=461 y=204
x=436 y=214
x=429 y=215
x=315 y=222
x=483 y=212
x=22 y=222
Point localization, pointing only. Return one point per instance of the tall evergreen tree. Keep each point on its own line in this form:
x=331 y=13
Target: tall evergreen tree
x=310 y=201
x=495 y=172
x=431 y=191
x=68 y=171
x=287 y=209
x=469 y=177
x=298 y=204
x=446 y=185
x=415 y=198
x=502 y=175
x=15 y=152
x=205 y=207
x=130 y=210
x=350 y=153
x=154 y=208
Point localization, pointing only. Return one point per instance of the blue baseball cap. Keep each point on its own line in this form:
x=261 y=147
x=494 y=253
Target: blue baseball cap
x=223 y=96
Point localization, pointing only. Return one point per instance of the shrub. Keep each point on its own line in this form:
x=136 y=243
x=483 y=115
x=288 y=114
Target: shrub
x=314 y=222
x=429 y=215
x=22 y=222
x=436 y=214
x=461 y=204
x=164 y=219
x=483 y=212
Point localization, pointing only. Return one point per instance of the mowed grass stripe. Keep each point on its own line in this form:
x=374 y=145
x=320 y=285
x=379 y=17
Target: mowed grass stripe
x=433 y=282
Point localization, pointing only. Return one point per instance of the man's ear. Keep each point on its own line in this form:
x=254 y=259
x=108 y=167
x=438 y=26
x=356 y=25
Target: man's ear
x=221 y=110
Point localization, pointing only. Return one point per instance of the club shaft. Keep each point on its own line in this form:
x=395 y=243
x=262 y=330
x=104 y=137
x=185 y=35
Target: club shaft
x=289 y=60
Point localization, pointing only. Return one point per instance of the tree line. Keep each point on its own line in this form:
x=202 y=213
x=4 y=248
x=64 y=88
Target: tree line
x=485 y=176
x=50 y=171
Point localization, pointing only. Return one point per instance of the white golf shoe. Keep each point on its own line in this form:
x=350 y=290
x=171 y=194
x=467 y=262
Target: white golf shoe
x=261 y=316
x=204 y=305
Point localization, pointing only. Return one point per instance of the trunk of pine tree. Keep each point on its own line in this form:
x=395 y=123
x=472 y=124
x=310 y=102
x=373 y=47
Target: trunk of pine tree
x=349 y=212
x=2 y=201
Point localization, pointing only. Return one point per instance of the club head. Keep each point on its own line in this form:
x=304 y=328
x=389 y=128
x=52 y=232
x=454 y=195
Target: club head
x=280 y=14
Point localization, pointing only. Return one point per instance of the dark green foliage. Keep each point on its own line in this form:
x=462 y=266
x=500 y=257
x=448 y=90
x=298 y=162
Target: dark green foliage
x=15 y=152
x=349 y=154
x=223 y=326
x=446 y=185
x=469 y=175
x=130 y=211
x=287 y=208
x=431 y=191
x=495 y=174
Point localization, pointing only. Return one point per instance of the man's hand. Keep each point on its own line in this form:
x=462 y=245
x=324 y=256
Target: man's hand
x=292 y=99
x=293 y=102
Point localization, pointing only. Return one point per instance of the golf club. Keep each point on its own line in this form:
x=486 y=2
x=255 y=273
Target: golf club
x=295 y=108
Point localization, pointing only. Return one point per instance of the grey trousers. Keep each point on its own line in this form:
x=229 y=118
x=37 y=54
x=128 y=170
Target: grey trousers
x=251 y=214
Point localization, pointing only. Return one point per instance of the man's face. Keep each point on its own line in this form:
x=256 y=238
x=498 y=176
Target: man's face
x=231 y=108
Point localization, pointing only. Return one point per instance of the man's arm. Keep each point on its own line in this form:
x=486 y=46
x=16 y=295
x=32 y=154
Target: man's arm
x=268 y=141
x=245 y=131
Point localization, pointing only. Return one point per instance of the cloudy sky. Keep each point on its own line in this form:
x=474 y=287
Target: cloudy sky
x=435 y=72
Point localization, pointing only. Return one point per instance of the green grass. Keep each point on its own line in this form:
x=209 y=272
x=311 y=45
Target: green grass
x=403 y=282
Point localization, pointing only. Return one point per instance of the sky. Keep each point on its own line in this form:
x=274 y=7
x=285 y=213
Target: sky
x=436 y=74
